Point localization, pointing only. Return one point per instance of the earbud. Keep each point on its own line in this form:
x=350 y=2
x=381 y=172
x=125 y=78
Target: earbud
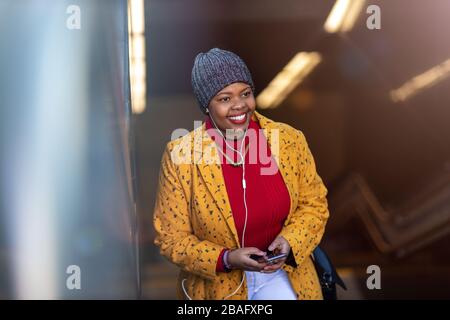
x=207 y=111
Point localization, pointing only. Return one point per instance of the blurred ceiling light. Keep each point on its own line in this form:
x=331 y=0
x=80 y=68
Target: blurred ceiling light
x=418 y=83
x=137 y=12
x=136 y=32
x=288 y=79
x=343 y=15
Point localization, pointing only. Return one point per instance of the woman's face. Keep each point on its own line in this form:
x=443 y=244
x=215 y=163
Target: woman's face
x=232 y=108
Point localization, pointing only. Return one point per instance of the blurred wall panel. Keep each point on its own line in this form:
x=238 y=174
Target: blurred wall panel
x=68 y=227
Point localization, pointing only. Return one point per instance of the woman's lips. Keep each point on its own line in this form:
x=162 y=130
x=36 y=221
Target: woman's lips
x=239 y=119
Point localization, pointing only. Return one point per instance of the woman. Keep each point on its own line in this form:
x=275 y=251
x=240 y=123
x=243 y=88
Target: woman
x=228 y=196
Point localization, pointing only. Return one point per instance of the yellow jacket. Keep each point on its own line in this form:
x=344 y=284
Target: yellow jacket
x=194 y=222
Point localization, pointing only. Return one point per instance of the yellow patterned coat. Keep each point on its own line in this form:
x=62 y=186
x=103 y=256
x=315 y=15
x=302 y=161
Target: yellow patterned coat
x=194 y=222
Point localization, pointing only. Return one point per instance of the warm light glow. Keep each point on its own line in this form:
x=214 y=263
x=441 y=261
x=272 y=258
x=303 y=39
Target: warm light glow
x=418 y=83
x=137 y=15
x=337 y=15
x=138 y=47
x=288 y=79
x=139 y=105
x=136 y=30
x=352 y=15
x=343 y=15
x=138 y=70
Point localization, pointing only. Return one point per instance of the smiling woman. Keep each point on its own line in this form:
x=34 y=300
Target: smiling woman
x=231 y=109
x=212 y=220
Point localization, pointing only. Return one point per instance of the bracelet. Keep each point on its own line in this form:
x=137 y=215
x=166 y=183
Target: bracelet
x=225 y=261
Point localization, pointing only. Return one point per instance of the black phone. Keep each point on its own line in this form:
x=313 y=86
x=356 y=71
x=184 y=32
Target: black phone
x=258 y=258
x=270 y=258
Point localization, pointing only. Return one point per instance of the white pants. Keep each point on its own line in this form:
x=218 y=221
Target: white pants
x=269 y=286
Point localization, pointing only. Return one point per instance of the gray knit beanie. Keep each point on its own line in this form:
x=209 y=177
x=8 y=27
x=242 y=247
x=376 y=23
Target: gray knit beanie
x=214 y=70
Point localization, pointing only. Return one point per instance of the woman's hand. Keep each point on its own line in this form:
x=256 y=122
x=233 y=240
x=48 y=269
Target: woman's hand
x=240 y=259
x=279 y=246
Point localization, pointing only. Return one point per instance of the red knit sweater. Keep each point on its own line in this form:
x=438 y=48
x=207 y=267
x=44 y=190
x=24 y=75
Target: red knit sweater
x=267 y=197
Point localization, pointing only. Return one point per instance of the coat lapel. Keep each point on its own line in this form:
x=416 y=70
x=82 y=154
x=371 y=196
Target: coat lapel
x=208 y=164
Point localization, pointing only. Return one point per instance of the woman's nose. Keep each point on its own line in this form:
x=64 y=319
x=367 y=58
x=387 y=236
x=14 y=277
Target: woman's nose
x=238 y=104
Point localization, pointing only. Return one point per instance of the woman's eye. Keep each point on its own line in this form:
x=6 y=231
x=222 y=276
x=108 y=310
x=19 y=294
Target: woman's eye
x=246 y=94
x=225 y=99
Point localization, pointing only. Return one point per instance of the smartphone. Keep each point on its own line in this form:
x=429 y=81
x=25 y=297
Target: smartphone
x=260 y=259
x=273 y=258
x=270 y=258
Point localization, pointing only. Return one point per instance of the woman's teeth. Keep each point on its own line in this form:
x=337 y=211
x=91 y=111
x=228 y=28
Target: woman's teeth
x=238 y=118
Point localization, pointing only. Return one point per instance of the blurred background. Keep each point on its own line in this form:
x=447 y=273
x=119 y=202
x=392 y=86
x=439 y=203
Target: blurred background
x=68 y=223
x=86 y=113
x=372 y=103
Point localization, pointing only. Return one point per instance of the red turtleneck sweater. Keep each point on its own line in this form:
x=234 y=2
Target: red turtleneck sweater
x=267 y=197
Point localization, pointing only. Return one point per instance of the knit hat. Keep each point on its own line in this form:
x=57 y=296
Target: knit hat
x=214 y=70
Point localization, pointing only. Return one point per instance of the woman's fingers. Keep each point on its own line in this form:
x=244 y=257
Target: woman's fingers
x=253 y=265
x=241 y=259
x=274 y=267
x=285 y=247
x=252 y=250
x=244 y=261
x=281 y=244
x=274 y=244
